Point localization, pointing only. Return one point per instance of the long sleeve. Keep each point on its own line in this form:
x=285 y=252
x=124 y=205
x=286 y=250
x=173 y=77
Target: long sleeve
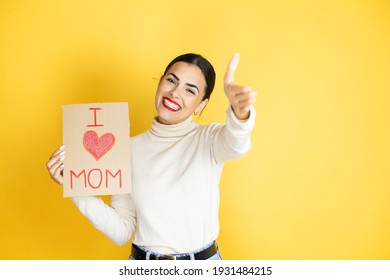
x=232 y=140
x=117 y=220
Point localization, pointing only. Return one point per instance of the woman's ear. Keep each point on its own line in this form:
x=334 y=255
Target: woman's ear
x=201 y=106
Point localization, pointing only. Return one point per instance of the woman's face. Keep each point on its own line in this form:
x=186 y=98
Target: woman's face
x=180 y=93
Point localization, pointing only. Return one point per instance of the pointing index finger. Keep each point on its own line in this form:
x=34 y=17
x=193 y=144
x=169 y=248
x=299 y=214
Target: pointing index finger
x=231 y=69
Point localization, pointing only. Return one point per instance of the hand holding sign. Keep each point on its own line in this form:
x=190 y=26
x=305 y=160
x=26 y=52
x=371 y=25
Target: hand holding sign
x=240 y=97
x=55 y=165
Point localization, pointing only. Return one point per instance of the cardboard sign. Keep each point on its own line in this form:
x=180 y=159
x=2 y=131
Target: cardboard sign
x=97 y=144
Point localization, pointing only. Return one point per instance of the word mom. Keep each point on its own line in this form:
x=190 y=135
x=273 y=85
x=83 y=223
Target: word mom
x=95 y=178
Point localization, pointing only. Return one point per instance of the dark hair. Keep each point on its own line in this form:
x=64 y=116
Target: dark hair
x=203 y=64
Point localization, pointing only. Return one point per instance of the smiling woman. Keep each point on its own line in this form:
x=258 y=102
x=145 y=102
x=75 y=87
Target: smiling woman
x=176 y=166
x=178 y=94
x=185 y=88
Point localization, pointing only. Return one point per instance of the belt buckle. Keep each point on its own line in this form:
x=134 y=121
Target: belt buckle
x=165 y=257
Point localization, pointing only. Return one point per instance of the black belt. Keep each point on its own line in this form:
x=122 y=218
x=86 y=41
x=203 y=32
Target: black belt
x=139 y=254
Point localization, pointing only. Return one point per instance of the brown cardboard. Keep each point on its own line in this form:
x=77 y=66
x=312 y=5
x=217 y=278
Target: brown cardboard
x=97 y=149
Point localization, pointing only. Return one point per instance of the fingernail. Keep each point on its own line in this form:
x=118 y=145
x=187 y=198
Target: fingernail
x=62 y=147
x=62 y=158
x=62 y=165
x=62 y=153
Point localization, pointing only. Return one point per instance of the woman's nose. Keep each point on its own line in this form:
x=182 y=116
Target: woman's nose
x=175 y=93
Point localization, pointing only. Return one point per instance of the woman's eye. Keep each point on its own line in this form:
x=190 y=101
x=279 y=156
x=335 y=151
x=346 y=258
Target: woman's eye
x=191 y=91
x=170 y=80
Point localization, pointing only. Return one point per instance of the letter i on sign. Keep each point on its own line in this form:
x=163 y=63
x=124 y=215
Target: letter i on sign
x=95 y=124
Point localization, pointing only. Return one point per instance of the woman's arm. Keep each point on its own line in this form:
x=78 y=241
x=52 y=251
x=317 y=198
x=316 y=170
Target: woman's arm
x=233 y=139
x=117 y=220
x=240 y=97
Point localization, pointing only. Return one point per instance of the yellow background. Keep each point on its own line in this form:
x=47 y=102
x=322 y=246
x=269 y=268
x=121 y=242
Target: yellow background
x=314 y=186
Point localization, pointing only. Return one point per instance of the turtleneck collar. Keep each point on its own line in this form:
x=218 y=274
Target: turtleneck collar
x=172 y=131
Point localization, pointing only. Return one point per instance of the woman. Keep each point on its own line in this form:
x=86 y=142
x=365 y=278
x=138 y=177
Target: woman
x=176 y=167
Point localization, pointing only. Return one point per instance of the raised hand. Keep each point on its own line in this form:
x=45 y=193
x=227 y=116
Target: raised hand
x=240 y=97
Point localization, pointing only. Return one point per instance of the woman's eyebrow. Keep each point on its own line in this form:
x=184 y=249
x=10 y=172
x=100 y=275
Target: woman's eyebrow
x=188 y=84
x=176 y=77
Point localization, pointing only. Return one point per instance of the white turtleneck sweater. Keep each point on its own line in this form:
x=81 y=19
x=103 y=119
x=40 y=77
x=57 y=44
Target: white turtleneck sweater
x=176 y=170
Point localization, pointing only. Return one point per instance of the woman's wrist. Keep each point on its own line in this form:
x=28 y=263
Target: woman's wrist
x=241 y=114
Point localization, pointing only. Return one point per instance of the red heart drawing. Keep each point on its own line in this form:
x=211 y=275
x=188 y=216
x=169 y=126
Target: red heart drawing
x=96 y=146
